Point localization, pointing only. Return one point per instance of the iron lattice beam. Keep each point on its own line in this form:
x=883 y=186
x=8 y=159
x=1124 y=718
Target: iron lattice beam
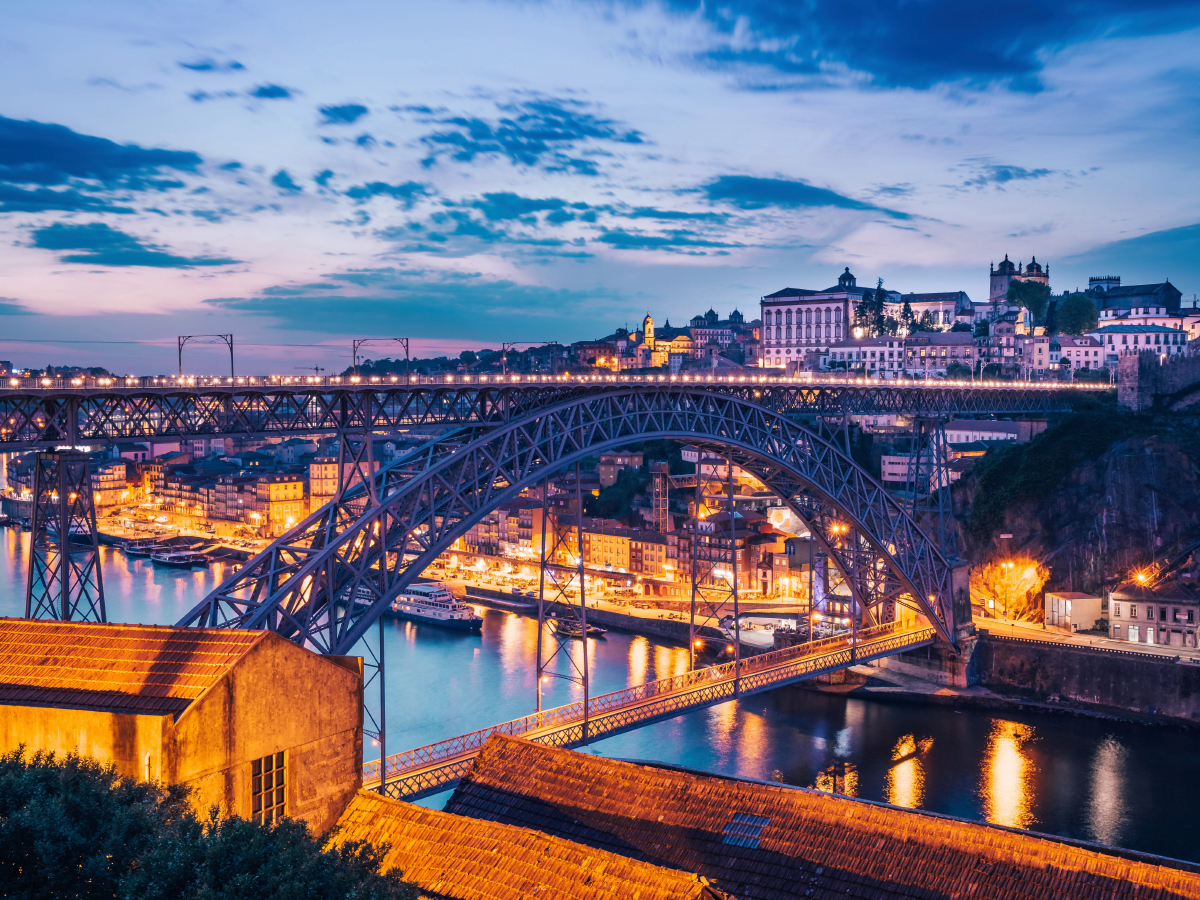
x=326 y=581
x=64 y=579
x=33 y=419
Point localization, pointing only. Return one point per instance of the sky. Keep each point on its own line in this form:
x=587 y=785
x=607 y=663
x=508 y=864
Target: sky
x=468 y=172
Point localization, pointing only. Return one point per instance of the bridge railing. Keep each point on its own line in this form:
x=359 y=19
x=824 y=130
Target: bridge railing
x=604 y=704
x=382 y=382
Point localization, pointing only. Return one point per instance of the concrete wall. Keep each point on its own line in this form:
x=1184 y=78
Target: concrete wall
x=121 y=739
x=278 y=697
x=1129 y=681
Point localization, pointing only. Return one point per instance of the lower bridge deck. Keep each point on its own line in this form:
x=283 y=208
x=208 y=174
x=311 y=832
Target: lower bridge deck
x=438 y=767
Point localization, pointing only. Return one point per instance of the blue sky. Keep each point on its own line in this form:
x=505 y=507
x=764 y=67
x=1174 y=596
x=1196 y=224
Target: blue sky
x=468 y=172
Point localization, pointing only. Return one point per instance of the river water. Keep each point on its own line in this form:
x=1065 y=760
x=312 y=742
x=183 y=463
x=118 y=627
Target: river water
x=1114 y=783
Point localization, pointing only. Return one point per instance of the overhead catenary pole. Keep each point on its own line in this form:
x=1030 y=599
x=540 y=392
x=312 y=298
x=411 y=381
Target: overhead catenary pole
x=737 y=620
x=582 y=601
x=542 y=589
x=382 y=719
x=693 y=548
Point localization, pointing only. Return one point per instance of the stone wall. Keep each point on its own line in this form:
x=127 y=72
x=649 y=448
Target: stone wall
x=1143 y=381
x=1124 y=680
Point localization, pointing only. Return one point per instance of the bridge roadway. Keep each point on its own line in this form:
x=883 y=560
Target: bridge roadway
x=43 y=415
x=438 y=767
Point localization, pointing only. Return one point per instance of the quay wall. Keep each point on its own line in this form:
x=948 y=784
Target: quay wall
x=1124 y=680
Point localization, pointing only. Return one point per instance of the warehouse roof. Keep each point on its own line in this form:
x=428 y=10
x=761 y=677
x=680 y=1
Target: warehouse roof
x=775 y=842
x=118 y=668
x=473 y=859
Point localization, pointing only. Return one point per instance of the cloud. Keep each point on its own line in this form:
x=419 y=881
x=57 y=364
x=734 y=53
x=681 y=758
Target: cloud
x=919 y=44
x=671 y=242
x=207 y=64
x=272 y=92
x=342 y=115
x=15 y=199
x=674 y=215
x=11 y=307
x=407 y=193
x=537 y=133
x=283 y=180
x=42 y=154
x=421 y=302
x=503 y=206
x=990 y=173
x=105 y=246
x=746 y=192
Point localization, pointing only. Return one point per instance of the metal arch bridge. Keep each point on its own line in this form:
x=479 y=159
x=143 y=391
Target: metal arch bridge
x=45 y=417
x=325 y=582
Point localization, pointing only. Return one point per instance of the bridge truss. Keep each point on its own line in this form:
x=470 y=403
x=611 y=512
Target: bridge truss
x=324 y=583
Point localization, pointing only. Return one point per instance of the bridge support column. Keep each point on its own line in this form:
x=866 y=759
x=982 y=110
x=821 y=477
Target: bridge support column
x=64 y=581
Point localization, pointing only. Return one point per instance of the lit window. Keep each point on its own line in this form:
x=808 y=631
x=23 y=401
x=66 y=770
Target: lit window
x=268 y=788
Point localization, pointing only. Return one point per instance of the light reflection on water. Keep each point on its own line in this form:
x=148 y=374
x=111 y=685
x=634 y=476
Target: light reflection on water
x=1078 y=777
x=1008 y=776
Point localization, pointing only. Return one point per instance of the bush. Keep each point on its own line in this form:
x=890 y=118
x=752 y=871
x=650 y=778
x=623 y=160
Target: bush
x=71 y=827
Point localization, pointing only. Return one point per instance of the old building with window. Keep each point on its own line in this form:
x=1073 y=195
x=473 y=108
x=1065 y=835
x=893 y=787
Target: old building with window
x=1165 y=614
x=213 y=709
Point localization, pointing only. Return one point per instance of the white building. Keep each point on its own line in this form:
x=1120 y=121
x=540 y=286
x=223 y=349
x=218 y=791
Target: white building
x=796 y=321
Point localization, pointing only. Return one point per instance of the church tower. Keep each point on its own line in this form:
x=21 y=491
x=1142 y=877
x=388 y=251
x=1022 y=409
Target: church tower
x=648 y=331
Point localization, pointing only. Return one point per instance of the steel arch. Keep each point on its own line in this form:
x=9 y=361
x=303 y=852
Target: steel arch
x=308 y=585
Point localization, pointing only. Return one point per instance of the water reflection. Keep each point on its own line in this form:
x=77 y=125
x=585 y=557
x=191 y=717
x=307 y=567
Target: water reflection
x=905 y=782
x=639 y=658
x=839 y=777
x=1008 y=773
x=1106 y=809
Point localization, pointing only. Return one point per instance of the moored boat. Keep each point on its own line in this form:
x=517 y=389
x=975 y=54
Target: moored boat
x=433 y=604
x=182 y=560
x=572 y=628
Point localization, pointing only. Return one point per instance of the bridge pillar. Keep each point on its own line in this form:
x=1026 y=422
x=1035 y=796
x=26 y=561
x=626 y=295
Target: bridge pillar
x=64 y=581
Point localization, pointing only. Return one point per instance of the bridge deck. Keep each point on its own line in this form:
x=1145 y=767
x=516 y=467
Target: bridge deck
x=437 y=767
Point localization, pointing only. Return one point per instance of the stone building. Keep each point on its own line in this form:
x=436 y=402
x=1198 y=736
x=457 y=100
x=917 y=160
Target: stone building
x=248 y=720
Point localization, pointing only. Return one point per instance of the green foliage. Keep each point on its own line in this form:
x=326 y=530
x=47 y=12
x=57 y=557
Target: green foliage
x=1076 y=314
x=1032 y=295
x=1100 y=375
x=1014 y=472
x=616 y=500
x=468 y=358
x=957 y=371
x=72 y=828
x=870 y=315
x=908 y=320
x=981 y=329
x=962 y=326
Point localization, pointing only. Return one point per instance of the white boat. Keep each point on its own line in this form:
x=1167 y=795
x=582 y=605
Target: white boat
x=435 y=605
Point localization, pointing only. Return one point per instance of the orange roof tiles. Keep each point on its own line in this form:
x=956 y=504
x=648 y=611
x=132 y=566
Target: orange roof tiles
x=772 y=842
x=135 y=668
x=470 y=859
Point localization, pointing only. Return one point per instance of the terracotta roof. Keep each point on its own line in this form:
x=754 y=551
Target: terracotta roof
x=131 y=668
x=775 y=842
x=472 y=859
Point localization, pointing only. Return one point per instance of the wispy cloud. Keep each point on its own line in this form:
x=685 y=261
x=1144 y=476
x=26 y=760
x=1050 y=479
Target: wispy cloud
x=747 y=192
x=342 y=115
x=101 y=245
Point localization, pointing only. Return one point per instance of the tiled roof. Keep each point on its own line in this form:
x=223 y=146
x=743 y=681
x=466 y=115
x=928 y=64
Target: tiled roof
x=472 y=859
x=789 y=292
x=1135 y=329
x=130 y=668
x=773 y=842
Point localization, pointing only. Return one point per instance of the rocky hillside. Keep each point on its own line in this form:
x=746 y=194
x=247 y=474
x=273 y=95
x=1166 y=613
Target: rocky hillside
x=1096 y=494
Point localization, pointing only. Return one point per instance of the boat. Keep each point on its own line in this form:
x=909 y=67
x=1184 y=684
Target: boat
x=572 y=628
x=144 y=551
x=184 y=560
x=433 y=604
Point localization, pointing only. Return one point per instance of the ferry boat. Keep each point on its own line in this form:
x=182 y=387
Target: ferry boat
x=433 y=604
x=182 y=560
x=572 y=628
x=144 y=551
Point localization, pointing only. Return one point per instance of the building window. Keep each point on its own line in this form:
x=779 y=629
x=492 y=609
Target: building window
x=268 y=788
x=789 y=317
x=1162 y=614
x=1117 y=611
x=1132 y=610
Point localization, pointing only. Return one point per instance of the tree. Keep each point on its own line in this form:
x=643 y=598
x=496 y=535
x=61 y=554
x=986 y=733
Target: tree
x=907 y=319
x=468 y=358
x=1032 y=295
x=957 y=371
x=870 y=313
x=928 y=323
x=962 y=326
x=1076 y=314
x=70 y=827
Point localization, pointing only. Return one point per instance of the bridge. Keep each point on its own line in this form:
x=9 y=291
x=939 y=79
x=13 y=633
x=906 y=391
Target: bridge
x=438 y=767
x=43 y=416
x=328 y=580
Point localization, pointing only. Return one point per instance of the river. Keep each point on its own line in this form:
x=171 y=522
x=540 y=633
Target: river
x=1090 y=779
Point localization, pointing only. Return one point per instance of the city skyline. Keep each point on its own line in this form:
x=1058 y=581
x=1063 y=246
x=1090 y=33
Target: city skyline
x=475 y=173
